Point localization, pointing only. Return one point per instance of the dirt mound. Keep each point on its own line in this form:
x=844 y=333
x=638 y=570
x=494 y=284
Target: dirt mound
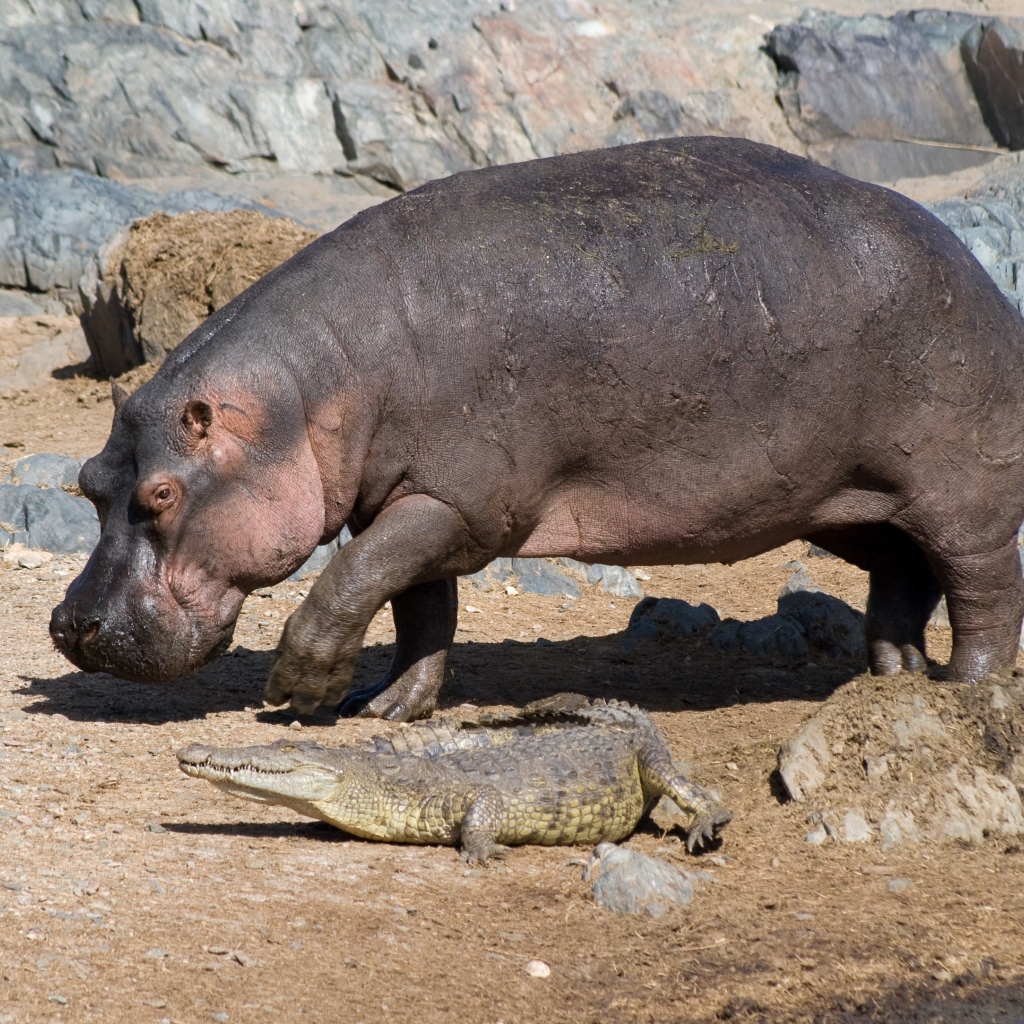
x=905 y=758
x=167 y=274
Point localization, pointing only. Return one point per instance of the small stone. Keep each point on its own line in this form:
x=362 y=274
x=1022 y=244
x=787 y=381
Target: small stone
x=942 y=975
x=295 y=725
x=900 y=884
x=511 y=591
x=156 y=954
x=732 y=766
x=218 y=950
x=538 y=969
x=855 y=828
x=816 y=837
x=154 y=826
x=63 y=1000
x=220 y=1015
x=630 y=882
x=157 y=1004
x=243 y=959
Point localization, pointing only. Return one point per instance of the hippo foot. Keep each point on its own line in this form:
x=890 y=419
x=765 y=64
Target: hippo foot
x=887 y=659
x=400 y=701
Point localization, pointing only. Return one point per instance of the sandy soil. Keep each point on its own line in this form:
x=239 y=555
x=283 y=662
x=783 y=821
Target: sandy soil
x=129 y=893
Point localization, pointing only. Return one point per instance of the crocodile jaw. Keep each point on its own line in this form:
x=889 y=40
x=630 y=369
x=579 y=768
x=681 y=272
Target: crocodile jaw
x=299 y=786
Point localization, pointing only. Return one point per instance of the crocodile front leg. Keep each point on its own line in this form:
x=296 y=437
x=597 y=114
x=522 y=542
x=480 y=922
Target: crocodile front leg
x=660 y=778
x=416 y=540
x=483 y=821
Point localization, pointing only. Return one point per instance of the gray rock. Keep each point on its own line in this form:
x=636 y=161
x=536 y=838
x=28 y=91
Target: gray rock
x=60 y=522
x=867 y=94
x=816 y=551
x=612 y=579
x=771 y=637
x=13 y=524
x=537 y=576
x=629 y=882
x=799 y=582
x=20 y=303
x=321 y=556
x=52 y=226
x=855 y=828
x=993 y=229
x=50 y=519
x=675 y=617
x=899 y=884
x=830 y=625
x=497 y=573
x=46 y=470
x=665 y=616
x=804 y=761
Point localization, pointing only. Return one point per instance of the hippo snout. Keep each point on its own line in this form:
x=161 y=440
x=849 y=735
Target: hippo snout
x=74 y=630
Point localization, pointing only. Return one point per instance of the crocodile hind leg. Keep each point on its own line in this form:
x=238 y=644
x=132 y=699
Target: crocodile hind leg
x=660 y=777
x=484 y=819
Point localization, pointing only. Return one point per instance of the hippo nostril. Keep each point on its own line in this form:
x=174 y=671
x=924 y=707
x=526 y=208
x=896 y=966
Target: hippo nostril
x=70 y=630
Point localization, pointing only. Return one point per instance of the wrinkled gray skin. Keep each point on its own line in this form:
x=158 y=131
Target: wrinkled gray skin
x=690 y=350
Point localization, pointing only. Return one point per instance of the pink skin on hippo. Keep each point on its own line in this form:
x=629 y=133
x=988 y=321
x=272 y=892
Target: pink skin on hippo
x=683 y=351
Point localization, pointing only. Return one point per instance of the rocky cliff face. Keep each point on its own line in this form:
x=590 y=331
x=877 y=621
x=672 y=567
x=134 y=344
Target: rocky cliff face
x=113 y=109
x=402 y=91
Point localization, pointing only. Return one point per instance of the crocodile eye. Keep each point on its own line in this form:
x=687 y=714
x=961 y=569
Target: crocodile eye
x=288 y=746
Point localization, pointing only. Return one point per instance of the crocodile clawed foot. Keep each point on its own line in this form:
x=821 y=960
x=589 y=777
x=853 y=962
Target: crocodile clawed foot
x=705 y=827
x=482 y=853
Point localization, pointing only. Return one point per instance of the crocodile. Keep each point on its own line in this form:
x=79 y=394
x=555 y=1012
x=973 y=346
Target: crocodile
x=561 y=772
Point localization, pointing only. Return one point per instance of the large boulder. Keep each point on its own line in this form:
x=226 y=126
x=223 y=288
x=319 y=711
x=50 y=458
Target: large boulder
x=49 y=519
x=922 y=92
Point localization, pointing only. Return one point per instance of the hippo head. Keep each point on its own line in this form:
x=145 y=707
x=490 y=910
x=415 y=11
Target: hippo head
x=204 y=493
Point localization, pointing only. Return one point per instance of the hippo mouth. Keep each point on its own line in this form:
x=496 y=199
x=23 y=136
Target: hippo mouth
x=133 y=651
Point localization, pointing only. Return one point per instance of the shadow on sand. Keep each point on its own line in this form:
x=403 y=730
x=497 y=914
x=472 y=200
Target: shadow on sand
x=659 y=676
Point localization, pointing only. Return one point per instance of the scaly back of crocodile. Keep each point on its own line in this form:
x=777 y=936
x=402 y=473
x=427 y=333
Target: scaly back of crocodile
x=435 y=738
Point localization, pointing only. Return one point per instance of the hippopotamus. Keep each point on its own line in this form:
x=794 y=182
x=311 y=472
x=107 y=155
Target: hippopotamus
x=688 y=350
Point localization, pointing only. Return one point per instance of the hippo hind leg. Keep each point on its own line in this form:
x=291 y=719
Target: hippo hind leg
x=425 y=619
x=985 y=595
x=902 y=595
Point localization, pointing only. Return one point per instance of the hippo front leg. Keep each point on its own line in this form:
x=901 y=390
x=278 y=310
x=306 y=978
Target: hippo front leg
x=425 y=619
x=417 y=540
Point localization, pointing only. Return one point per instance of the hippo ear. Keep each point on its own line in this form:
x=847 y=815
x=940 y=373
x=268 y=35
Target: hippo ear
x=118 y=395
x=196 y=419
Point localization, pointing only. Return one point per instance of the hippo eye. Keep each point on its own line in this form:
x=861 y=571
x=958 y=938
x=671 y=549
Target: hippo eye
x=164 y=494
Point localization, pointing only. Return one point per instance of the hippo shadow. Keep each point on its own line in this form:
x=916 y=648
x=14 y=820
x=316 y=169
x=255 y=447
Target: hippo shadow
x=659 y=675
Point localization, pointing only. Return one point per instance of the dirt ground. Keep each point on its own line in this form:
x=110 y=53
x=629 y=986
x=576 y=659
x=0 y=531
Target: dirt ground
x=129 y=893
